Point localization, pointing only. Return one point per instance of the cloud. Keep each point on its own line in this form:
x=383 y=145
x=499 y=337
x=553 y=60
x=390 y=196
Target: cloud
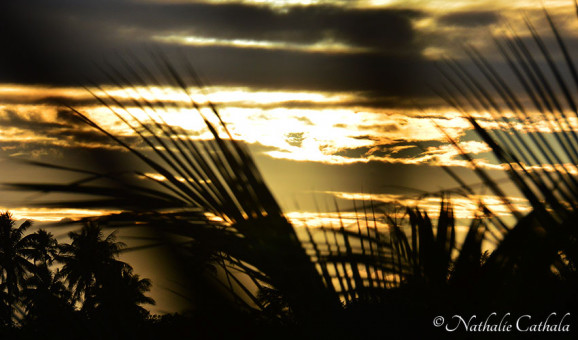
x=469 y=18
x=31 y=121
x=37 y=130
x=380 y=28
x=59 y=42
x=295 y=138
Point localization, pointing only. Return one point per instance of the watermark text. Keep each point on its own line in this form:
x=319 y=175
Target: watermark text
x=504 y=323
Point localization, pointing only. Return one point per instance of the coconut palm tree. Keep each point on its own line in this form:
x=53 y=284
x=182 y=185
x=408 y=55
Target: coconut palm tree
x=47 y=301
x=15 y=267
x=42 y=248
x=89 y=258
x=119 y=297
x=45 y=297
x=109 y=290
x=5 y=310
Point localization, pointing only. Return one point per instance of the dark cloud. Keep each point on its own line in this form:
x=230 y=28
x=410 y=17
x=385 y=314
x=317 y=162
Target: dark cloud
x=54 y=101
x=29 y=121
x=389 y=127
x=69 y=117
x=363 y=99
x=295 y=138
x=470 y=18
x=400 y=150
x=389 y=75
x=58 y=42
x=354 y=153
x=67 y=128
x=379 y=28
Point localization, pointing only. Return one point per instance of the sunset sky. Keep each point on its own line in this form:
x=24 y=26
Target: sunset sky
x=334 y=98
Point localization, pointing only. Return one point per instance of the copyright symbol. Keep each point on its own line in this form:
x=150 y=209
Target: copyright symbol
x=438 y=321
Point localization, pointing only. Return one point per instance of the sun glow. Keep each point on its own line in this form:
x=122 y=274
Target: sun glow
x=54 y=215
x=324 y=127
x=464 y=207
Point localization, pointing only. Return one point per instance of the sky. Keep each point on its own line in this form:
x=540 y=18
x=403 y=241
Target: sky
x=336 y=99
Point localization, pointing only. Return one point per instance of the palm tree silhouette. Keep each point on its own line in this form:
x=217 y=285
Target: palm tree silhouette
x=14 y=264
x=119 y=297
x=48 y=303
x=42 y=248
x=45 y=296
x=110 y=292
x=5 y=310
x=89 y=258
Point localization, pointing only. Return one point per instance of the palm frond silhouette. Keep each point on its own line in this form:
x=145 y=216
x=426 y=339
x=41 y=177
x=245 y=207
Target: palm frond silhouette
x=540 y=249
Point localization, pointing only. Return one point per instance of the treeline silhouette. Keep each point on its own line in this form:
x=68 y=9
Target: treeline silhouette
x=81 y=290
x=67 y=290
